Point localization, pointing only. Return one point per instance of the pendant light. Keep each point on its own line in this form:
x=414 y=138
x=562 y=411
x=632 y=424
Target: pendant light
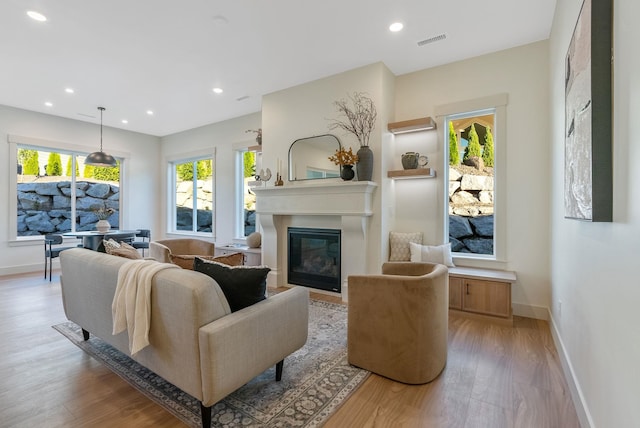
x=100 y=158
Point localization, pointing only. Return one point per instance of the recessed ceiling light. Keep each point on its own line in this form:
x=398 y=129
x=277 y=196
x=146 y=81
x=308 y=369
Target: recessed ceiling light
x=48 y=104
x=69 y=90
x=396 y=26
x=36 y=16
x=150 y=112
x=125 y=121
x=218 y=90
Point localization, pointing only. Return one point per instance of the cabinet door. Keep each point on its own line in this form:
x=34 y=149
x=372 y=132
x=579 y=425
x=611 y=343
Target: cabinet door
x=252 y=259
x=455 y=292
x=487 y=297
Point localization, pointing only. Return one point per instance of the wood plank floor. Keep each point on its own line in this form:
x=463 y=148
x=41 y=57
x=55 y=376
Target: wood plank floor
x=495 y=377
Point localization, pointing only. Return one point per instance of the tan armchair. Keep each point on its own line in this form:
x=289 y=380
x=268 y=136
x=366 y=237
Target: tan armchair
x=398 y=321
x=163 y=250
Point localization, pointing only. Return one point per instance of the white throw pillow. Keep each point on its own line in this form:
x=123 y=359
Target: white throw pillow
x=399 y=245
x=432 y=254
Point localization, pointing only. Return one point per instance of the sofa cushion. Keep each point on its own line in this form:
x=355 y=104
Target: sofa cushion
x=185 y=261
x=121 y=249
x=242 y=285
x=432 y=254
x=399 y=245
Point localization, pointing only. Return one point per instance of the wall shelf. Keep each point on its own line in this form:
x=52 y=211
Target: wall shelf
x=403 y=174
x=413 y=125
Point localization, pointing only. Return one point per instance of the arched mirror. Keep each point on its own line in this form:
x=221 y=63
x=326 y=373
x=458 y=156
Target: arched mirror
x=309 y=158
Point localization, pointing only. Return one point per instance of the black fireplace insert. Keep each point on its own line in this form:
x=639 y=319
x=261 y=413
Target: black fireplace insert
x=314 y=258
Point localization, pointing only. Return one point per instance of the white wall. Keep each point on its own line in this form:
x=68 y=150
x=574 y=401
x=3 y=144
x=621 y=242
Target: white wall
x=522 y=73
x=593 y=270
x=141 y=174
x=221 y=138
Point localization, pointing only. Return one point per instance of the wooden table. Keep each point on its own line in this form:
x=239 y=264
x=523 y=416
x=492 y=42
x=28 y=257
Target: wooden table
x=92 y=239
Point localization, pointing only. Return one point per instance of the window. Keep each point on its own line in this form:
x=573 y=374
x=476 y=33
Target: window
x=473 y=138
x=193 y=195
x=246 y=210
x=57 y=193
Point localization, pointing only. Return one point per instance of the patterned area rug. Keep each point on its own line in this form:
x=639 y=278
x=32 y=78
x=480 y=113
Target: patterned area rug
x=316 y=380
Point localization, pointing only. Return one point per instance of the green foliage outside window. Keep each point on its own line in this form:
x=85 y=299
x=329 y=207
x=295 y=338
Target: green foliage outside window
x=88 y=171
x=473 y=149
x=249 y=164
x=103 y=173
x=204 y=170
x=487 y=153
x=54 y=164
x=29 y=160
x=68 y=168
x=454 y=154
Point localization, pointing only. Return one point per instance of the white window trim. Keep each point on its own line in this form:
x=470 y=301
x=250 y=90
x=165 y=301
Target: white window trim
x=239 y=149
x=499 y=103
x=171 y=192
x=37 y=143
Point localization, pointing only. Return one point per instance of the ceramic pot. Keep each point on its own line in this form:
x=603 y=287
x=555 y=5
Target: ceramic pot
x=410 y=160
x=364 y=167
x=347 y=173
x=103 y=226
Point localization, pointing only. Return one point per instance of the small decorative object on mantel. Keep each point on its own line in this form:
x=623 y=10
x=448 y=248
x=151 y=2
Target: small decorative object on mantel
x=410 y=160
x=347 y=173
x=258 y=135
x=346 y=159
x=279 y=181
x=423 y=161
x=264 y=176
x=360 y=121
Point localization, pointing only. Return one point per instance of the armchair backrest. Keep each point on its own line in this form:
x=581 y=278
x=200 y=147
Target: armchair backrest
x=398 y=321
x=163 y=249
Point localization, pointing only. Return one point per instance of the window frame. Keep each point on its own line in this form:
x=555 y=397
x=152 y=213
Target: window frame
x=171 y=163
x=239 y=151
x=497 y=103
x=17 y=141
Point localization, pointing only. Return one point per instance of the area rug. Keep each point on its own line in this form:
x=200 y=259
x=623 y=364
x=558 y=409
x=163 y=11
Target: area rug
x=316 y=380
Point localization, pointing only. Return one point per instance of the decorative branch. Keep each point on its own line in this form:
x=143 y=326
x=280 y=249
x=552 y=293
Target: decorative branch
x=360 y=120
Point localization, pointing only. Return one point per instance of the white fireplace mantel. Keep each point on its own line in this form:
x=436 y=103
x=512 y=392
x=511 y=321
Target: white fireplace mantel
x=334 y=198
x=351 y=201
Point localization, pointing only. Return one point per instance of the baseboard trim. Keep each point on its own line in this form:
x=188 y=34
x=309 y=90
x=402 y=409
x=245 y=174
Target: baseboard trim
x=15 y=270
x=574 y=386
x=529 y=311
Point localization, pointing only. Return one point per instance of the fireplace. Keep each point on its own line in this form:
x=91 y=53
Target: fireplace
x=314 y=258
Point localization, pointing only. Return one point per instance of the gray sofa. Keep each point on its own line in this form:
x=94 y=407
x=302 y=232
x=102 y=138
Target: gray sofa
x=196 y=343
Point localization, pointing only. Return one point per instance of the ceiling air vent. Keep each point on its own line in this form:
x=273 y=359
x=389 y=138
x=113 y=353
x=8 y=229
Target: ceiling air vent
x=245 y=97
x=432 y=39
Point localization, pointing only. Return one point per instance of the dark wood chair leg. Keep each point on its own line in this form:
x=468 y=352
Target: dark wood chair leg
x=85 y=334
x=206 y=415
x=279 y=367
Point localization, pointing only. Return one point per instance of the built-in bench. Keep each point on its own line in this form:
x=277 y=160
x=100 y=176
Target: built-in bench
x=481 y=292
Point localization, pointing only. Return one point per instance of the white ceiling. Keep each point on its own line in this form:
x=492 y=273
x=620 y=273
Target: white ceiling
x=131 y=56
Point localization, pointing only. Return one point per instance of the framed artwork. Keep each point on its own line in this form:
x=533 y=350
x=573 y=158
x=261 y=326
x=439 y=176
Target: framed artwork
x=588 y=179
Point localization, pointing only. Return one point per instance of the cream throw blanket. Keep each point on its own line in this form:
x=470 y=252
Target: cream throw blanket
x=131 y=307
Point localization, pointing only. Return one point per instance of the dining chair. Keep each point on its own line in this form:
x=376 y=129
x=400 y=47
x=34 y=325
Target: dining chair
x=143 y=244
x=51 y=252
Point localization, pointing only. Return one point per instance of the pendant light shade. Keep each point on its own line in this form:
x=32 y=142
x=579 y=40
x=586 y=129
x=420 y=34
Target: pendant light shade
x=100 y=158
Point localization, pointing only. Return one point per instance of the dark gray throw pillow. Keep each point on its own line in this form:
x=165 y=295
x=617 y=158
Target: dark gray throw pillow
x=242 y=285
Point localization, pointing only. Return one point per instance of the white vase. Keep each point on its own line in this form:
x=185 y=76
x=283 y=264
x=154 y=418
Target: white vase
x=103 y=226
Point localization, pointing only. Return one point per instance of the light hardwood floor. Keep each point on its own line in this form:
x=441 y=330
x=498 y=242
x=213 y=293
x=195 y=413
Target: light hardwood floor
x=495 y=377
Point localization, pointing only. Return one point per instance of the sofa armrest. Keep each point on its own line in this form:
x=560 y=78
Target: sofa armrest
x=236 y=348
